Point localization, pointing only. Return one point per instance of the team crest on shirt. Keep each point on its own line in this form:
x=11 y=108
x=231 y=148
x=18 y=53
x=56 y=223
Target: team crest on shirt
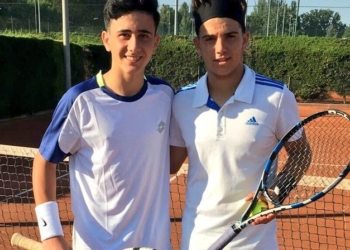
x=161 y=126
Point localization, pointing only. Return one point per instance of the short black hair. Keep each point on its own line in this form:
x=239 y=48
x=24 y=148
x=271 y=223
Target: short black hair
x=114 y=9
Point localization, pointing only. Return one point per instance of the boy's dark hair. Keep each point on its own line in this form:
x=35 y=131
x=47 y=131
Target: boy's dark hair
x=117 y=8
x=203 y=10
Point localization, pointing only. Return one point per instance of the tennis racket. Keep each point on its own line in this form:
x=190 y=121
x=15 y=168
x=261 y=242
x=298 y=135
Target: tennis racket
x=308 y=162
x=18 y=240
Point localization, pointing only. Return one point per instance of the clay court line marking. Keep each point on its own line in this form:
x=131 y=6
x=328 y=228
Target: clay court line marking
x=183 y=170
x=312 y=181
x=318 y=181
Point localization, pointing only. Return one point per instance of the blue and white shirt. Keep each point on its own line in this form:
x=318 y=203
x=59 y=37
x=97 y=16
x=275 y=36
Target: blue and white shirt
x=227 y=150
x=119 y=163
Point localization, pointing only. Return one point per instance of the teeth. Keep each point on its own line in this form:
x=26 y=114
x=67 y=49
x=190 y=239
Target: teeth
x=133 y=58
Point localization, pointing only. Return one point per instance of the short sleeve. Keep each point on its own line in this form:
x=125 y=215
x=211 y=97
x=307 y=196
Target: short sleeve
x=288 y=115
x=69 y=139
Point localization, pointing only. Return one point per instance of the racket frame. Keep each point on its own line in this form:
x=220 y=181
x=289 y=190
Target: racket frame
x=262 y=189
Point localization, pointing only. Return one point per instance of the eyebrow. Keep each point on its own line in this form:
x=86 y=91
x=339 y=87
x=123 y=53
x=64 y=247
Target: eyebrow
x=140 y=31
x=227 y=33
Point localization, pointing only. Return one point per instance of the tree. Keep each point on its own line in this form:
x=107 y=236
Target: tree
x=185 y=20
x=321 y=23
x=272 y=17
x=347 y=32
x=339 y=77
x=166 y=23
x=55 y=5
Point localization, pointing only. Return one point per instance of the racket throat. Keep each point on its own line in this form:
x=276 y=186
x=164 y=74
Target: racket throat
x=238 y=227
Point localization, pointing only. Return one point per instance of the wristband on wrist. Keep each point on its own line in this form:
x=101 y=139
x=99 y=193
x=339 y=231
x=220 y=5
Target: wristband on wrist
x=48 y=220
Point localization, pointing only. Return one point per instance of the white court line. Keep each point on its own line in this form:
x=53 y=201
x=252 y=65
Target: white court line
x=318 y=181
x=182 y=170
x=308 y=180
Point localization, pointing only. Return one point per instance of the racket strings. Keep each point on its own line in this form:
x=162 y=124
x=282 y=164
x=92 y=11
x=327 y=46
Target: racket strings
x=317 y=153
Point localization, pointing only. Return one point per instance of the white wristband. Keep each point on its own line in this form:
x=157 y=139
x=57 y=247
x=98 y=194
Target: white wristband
x=48 y=220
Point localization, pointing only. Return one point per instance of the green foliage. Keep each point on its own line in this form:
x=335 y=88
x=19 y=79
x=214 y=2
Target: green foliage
x=272 y=17
x=310 y=66
x=186 y=23
x=278 y=18
x=347 y=33
x=176 y=61
x=322 y=23
x=28 y=84
x=74 y=37
x=32 y=68
x=338 y=73
x=33 y=74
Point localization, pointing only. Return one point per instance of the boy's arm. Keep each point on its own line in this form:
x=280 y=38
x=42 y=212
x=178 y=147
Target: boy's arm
x=44 y=180
x=44 y=189
x=177 y=157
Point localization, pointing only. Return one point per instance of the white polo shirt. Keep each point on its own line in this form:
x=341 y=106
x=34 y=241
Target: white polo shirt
x=227 y=149
x=119 y=163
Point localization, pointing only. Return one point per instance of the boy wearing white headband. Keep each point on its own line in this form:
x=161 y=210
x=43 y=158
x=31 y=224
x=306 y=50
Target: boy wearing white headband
x=227 y=124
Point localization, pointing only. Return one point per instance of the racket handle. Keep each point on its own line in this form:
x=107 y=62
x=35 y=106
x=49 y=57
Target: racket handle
x=19 y=240
x=224 y=239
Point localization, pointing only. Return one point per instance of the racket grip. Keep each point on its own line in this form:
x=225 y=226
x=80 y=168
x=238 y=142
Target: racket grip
x=19 y=240
x=224 y=239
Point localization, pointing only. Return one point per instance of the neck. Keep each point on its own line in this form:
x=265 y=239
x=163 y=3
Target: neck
x=221 y=88
x=123 y=85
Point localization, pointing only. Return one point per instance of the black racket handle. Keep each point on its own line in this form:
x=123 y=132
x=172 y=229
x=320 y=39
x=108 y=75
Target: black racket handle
x=224 y=239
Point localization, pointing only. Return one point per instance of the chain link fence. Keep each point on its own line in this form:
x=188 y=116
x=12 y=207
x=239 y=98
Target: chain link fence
x=83 y=18
x=276 y=17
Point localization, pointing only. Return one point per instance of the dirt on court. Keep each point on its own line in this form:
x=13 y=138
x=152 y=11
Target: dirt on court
x=28 y=131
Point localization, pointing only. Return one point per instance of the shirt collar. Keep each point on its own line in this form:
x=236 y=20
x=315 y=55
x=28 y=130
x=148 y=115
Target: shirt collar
x=101 y=82
x=244 y=91
x=99 y=79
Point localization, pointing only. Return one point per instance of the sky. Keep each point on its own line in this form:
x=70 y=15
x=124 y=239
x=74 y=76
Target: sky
x=340 y=6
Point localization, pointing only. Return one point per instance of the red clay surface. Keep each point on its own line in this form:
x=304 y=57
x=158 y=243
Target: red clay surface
x=28 y=132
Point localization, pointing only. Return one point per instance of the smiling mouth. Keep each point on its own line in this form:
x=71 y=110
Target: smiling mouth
x=133 y=58
x=222 y=60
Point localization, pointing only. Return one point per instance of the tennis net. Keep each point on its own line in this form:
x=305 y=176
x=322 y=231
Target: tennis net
x=321 y=225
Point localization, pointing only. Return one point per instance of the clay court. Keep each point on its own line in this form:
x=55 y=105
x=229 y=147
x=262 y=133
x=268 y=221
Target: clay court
x=307 y=228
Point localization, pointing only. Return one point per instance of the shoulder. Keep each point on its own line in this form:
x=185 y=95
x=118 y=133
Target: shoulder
x=189 y=87
x=185 y=92
x=80 y=88
x=157 y=81
x=160 y=84
x=270 y=89
x=185 y=96
x=268 y=82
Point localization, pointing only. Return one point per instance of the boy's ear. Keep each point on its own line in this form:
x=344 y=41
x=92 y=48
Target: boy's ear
x=156 y=43
x=105 y=40
x=196 y=45
x=246 y=37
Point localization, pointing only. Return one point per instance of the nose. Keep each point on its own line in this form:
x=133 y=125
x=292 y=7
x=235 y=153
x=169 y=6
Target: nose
x=133 y=44
x=220 y=46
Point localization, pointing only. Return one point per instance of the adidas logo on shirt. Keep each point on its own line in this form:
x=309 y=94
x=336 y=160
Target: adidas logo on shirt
x=252 y=121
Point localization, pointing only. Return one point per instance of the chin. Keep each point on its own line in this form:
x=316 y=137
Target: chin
x=134 y=71
x=222 y=73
